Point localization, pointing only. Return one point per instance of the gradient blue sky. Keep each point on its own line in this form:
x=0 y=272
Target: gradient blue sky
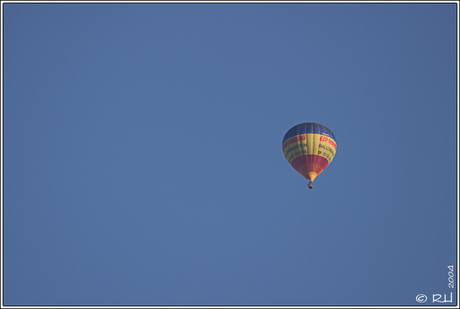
x=143 y=161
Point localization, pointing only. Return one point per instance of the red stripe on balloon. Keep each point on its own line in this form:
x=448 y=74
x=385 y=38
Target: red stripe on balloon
x=309 y=163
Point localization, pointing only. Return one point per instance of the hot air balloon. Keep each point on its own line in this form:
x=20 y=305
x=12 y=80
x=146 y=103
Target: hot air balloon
x=309 y=148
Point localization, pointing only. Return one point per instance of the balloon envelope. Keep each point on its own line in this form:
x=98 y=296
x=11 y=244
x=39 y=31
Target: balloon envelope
x=309 y=148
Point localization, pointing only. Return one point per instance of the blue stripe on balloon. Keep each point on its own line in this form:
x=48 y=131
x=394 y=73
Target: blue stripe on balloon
x=308 y=127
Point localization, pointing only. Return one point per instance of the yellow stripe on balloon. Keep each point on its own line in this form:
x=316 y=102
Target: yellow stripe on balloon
x=309 y=144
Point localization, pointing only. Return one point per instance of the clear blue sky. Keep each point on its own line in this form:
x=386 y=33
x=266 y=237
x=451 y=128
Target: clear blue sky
x=143 y=161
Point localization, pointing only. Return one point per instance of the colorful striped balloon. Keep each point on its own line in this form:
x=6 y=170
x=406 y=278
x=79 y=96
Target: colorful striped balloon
x=309 y=147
